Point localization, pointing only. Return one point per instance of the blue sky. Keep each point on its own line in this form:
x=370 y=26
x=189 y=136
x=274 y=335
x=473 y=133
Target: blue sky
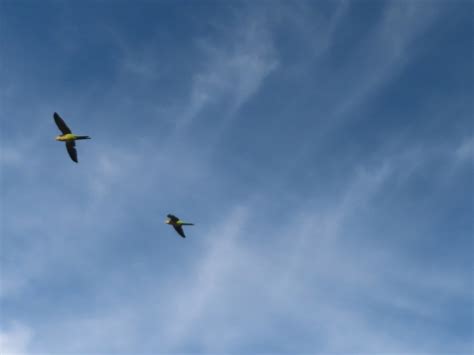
x=324 y=150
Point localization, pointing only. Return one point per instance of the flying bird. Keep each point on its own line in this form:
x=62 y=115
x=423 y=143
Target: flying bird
x=177 y=224
x=68 y=137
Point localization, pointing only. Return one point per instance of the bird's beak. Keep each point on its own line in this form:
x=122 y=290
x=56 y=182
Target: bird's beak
x=167 y=221
x=57 y=138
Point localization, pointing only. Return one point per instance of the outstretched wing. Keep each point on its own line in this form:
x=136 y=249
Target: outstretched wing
x=71 y=150
x=180 y=231
x=173 y=218
x=61 y=125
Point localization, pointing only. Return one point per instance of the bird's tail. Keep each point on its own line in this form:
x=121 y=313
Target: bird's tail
x=83 y=137
x=187 y=224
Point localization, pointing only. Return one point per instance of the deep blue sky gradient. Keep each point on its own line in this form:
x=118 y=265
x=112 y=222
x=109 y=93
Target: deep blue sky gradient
x=324 y=150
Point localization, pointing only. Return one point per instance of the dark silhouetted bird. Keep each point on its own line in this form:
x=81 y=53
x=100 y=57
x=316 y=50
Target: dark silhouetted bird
x=177 y=224
x=68 y=137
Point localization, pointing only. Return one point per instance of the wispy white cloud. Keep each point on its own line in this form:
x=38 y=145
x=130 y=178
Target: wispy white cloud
x=311 y=274
x=15 y=340
x=310 y=264
x=315 y=29
x=386 y=51
x=303 y=271
x=465 y=151
x=199 y=293
x=235 y=67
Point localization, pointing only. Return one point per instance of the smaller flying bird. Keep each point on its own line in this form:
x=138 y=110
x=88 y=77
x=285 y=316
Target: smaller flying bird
x=177 y=224
x=68 y=137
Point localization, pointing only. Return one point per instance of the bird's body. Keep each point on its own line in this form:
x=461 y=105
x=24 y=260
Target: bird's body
x=68 y=137
x=177 y=224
